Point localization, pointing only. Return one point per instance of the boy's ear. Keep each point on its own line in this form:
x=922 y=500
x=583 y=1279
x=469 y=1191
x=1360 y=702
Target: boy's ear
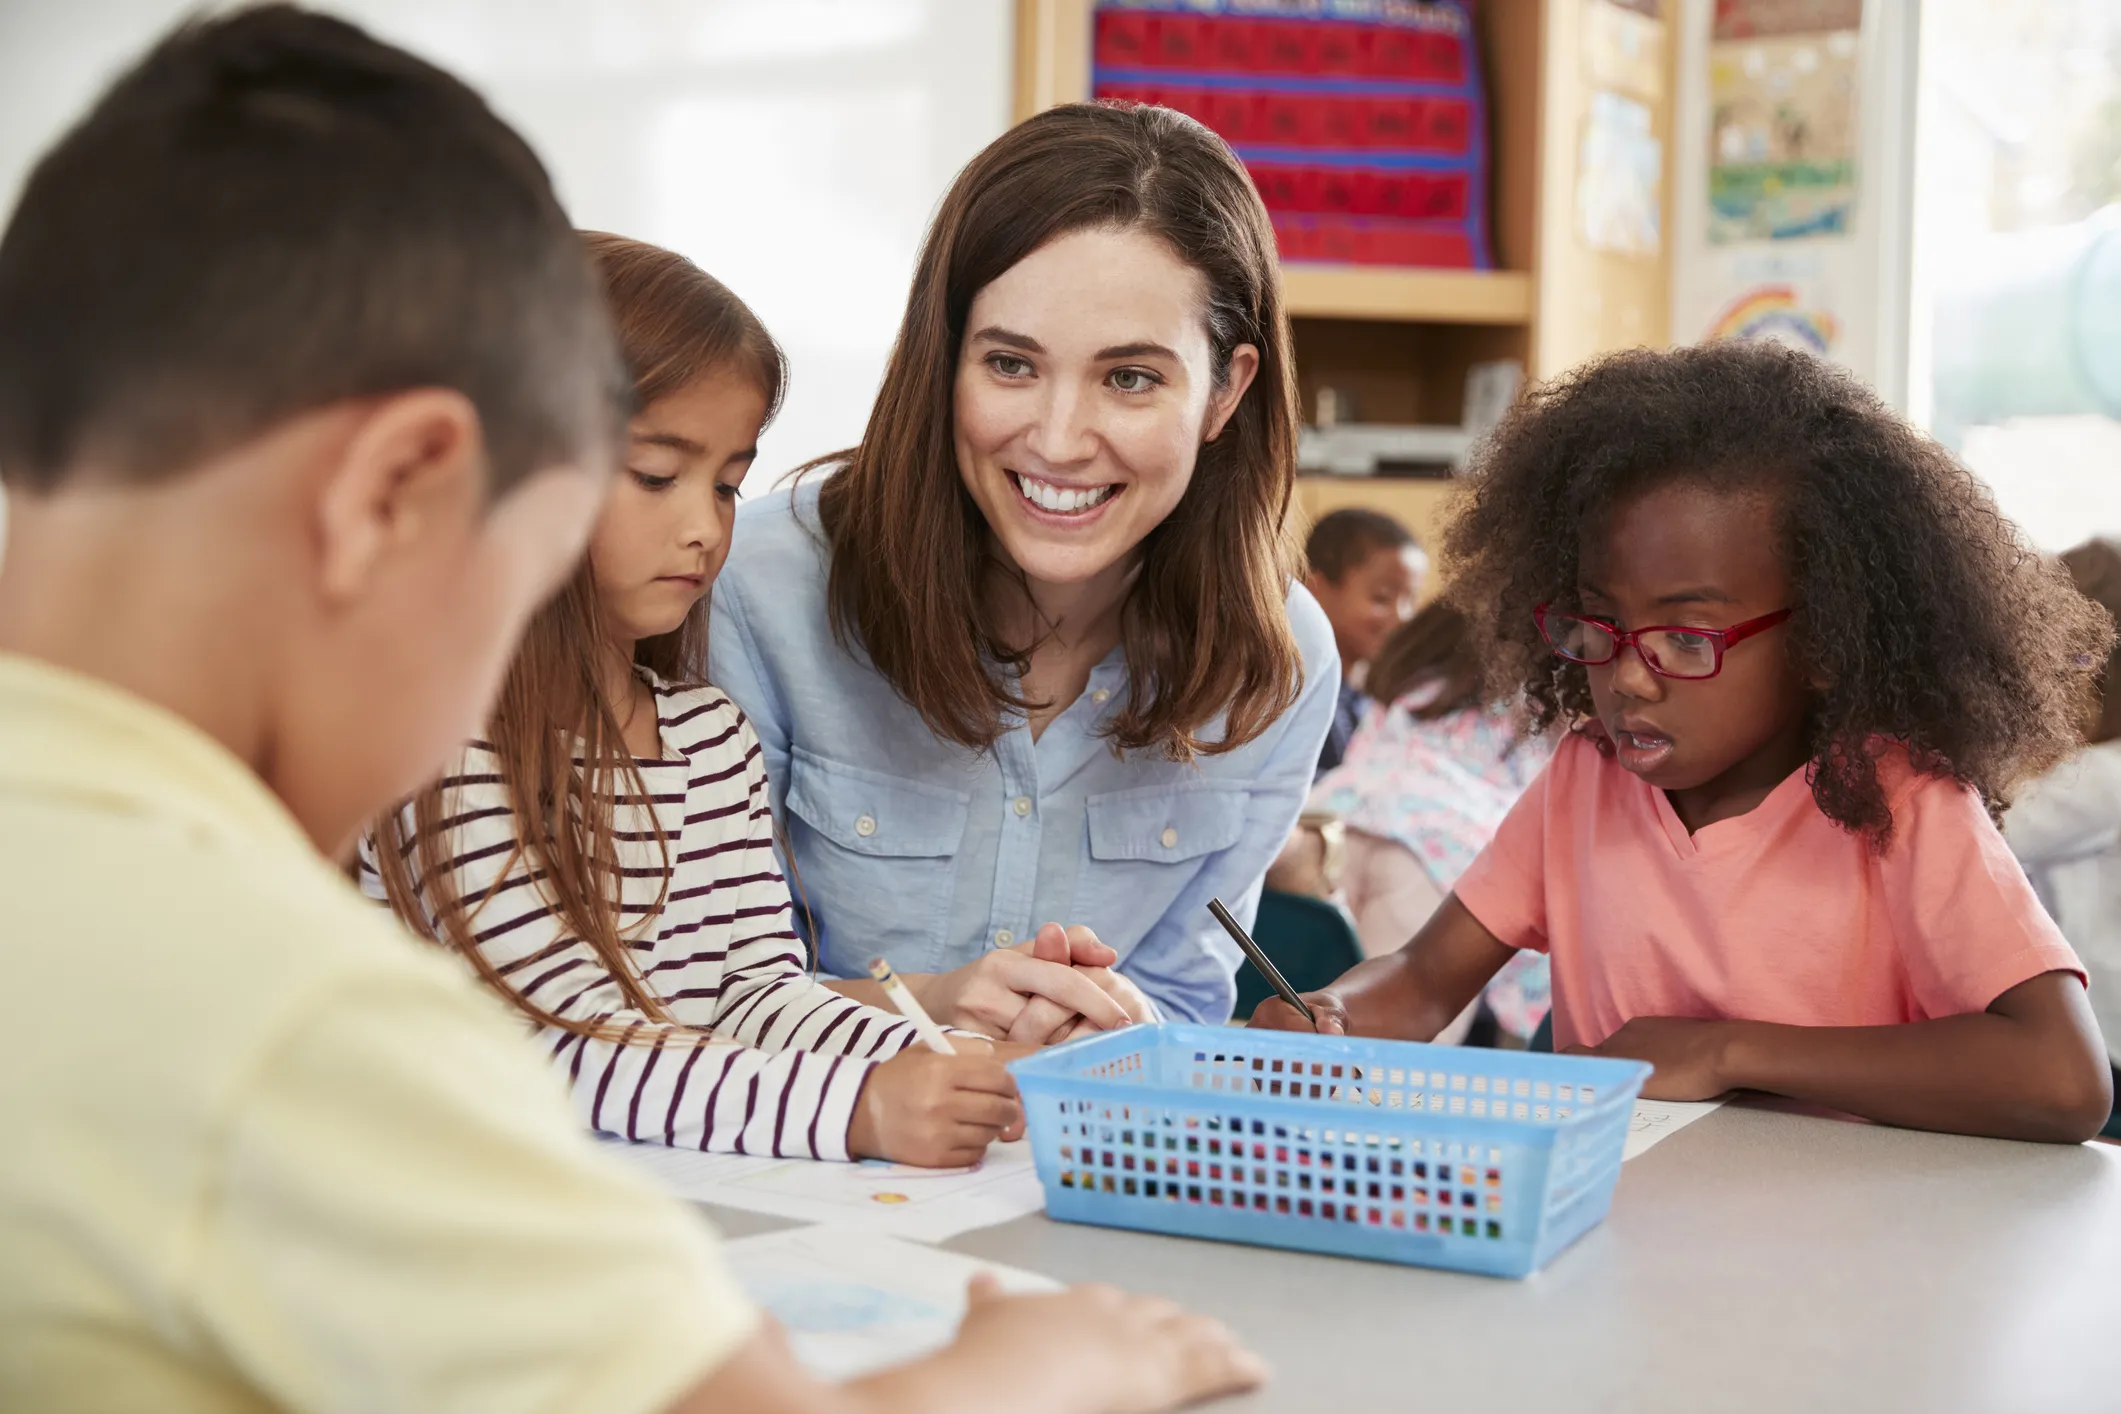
x=413 y=457
x=1315 y=582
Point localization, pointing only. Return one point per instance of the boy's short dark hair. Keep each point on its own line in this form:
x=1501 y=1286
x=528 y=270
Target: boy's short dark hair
x=272 y=212
x=1345 y=538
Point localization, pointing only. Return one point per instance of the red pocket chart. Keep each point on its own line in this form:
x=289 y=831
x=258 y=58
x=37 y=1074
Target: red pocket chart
x=1409 y=195
x=1364 y=130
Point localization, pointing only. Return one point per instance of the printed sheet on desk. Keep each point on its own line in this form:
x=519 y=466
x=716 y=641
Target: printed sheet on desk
x=896 y=1200
x=853 y=1301
x=1655 y=1119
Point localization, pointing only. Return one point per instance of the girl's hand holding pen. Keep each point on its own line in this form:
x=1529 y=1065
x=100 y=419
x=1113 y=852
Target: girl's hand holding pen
x=1274 y=1014
x=937 y=1111
x=1296 y=1011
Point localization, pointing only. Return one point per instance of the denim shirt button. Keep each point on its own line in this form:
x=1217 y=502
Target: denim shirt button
x=865 y=826
x=1021 y=805
x=1100 y=695
x=1170 y=838
x=1003 y=938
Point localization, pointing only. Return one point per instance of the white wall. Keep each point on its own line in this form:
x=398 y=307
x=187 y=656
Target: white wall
x=794 y=148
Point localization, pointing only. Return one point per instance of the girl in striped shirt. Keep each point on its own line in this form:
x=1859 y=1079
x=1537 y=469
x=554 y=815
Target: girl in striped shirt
x=604 y=859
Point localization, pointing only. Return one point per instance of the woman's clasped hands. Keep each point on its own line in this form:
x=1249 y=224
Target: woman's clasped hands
x=1059 y=985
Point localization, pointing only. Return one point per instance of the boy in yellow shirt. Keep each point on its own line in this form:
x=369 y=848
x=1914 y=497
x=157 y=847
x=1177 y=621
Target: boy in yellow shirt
x=306 y=400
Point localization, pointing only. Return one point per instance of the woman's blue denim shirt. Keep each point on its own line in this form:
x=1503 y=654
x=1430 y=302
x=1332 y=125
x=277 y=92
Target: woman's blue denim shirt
x=928 y=853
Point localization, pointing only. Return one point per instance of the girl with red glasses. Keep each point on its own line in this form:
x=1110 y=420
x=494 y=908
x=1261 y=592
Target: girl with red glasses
x=1801 y=664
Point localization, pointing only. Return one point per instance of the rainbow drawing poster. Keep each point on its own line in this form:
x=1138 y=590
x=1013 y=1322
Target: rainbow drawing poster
x=1776 y=312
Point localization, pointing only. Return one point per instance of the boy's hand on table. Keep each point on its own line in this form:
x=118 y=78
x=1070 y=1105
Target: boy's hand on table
x=1274 y=1014
x=1115 y=1350
x=923 y=1107
x=1689 y=1055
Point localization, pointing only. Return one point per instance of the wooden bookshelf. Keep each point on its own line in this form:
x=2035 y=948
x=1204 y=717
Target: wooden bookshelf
x=1407 y=296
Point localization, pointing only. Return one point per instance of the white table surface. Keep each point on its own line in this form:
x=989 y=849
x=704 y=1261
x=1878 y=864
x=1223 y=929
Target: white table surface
x=1764 y=1258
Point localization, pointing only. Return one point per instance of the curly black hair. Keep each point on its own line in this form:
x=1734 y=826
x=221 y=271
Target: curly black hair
x=1928 y=617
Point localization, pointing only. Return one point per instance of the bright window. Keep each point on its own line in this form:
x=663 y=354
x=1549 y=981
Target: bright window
x=2016 y=359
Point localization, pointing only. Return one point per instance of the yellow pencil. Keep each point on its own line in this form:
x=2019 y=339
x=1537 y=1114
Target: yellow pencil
x=901 y=996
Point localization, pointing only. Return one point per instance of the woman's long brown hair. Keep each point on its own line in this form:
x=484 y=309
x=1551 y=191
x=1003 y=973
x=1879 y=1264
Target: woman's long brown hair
x=1205 y=626
x=555 y=731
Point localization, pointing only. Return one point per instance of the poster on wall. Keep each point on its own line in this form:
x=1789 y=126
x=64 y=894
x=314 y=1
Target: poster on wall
x=1363 y=122
x=1791 y=253
x=1620 y=178
x=1756 y=19
x=1623 y=46
x=1783 y=134
x=1782 y=296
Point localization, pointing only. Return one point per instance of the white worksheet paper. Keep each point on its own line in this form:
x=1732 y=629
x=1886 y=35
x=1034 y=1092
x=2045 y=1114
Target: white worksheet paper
x=1654 y=1119
x=896 y=1200
x=854 y=1301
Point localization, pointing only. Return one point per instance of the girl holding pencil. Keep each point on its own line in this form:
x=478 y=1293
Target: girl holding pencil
x=603 y=858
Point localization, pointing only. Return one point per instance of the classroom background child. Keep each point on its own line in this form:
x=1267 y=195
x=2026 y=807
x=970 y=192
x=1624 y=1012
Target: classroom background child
x=2065 y=827
x=1803 y=661
x=307 y=400
x=1365 y=570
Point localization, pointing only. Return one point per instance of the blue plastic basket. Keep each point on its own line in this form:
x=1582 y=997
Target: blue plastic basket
x=1438 y=1156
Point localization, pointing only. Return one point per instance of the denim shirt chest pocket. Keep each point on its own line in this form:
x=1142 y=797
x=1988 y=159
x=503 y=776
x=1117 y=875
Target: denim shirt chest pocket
x=877 y=855
x=1146 y=845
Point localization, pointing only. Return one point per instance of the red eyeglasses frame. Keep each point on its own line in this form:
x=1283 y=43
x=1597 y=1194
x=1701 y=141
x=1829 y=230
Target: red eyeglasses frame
x=1724 y=639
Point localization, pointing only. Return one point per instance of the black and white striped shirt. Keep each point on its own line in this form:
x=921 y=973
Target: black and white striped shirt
x=787 y=1057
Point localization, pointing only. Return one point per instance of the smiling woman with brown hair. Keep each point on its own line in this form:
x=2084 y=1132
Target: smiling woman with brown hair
x=1033 y=651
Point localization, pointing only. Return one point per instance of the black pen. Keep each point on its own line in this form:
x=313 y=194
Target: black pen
x=1260 y=960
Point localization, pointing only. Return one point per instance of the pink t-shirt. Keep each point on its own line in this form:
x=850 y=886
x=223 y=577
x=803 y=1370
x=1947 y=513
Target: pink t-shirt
x=1775 y=915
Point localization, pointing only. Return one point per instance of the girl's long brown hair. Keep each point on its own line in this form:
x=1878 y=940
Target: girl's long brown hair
x=1205 y=627
x=556 y=733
